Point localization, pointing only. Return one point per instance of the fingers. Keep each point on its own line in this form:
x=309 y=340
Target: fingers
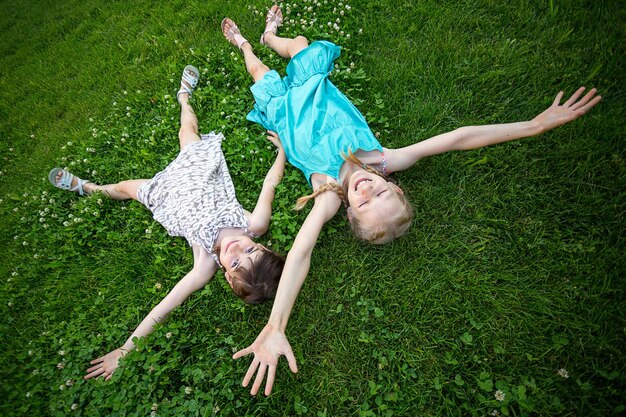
x=243 y=352
x=589 y=105
x=291 y=359
x=251 y=370
x=558 y=98
x=95 y=373
x=260 y=376
x=271 y=375
x=272 y=134
x=98 y=360
x=574 y=97
x=584 y=100
x=93 y=368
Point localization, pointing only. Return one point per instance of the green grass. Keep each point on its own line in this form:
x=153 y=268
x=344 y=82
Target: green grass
x=514 y=270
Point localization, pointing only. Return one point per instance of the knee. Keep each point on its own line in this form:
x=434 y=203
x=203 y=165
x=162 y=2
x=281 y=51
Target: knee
x=258 y=70
x=297 y=44
x=191 y=129
x=302 y=40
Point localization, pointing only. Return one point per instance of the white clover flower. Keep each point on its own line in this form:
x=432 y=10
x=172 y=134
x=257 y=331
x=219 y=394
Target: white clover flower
x=188 y=390
x=10 y=303
x=61 y=352
x=30 y=353
x=69 y=382
x=61 y=387
x=24 y=243
x=35 y=372
x=495 y=413
x=216 y=409
x=115 y=103
x=155 y=406
x=125 y=92
x=499 y=395
x=168 y=335
x=91 y=119
x=14 y=273
x=60 y=365
x=28 y=394
x=158 y=286
x=563 y=373
x=74 y=407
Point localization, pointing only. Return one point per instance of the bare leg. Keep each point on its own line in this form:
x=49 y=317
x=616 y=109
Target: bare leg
x=256 y=68
x=188 y=122
x=123 y=190
x=286 y=47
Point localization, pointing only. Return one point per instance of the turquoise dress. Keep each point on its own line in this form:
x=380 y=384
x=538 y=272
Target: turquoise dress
x=314 y=120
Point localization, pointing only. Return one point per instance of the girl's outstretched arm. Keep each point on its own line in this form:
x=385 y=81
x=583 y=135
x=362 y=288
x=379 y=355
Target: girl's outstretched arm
x=272 y=343
x=204 y=268
x=472 y=137
x=260 y=217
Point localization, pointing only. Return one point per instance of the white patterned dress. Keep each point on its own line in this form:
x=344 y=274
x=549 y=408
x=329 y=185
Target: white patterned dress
x=194 y=196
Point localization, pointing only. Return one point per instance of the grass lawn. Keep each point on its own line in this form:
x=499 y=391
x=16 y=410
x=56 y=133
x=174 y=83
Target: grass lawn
x=507 y=297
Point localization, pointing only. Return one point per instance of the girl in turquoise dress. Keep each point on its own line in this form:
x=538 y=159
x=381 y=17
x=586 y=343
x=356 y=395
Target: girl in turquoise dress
x=326 y=137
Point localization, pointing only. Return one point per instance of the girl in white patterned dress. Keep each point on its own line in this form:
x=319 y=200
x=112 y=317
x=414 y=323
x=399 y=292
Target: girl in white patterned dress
x=194 y=197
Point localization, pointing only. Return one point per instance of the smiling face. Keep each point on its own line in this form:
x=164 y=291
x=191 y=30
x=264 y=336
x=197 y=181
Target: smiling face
x=238 y=252
x=372 y=198
x=378 y=210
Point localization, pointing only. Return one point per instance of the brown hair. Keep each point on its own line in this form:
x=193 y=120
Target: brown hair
x=260 y=282
x=388 y=229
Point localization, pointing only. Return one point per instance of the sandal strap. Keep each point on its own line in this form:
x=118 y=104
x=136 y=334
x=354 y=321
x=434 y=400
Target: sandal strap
x=273 y=21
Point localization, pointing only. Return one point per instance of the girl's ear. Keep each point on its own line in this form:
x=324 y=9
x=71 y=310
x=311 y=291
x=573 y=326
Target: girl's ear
x=349 y=211
x=398 y=189
x=229 y=279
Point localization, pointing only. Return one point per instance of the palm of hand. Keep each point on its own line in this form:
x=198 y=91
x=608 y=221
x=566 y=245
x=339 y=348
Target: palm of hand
x=268 y=347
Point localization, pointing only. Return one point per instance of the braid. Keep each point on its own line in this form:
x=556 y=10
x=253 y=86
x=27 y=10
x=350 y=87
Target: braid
x=329 y=186
x=351 y=157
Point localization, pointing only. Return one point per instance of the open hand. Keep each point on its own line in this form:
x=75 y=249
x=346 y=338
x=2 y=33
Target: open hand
x=268 y=347
x=559 y=114
x=105 y=365
x=273 y=137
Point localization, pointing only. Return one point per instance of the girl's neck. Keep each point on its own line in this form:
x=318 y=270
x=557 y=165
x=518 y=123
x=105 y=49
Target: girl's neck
x=227 y=232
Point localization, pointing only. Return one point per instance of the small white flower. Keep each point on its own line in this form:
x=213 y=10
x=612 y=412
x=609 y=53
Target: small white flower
x=74 y=407
x=153 y=413
x=30 y=353
x=188 y=390
x=91 y=119
x=28 y=394
x=168 y=335
x=35 y=372
x=499 y=395
x=158 y=286
x=14 y=274
x=61 y=387
x=125 y=92
x=69 y=382
x=61 y=353
x=216 y=409
x=155 y=406
x=10 y=303
x=495 y=413
x=563 y=373
x=115 y=103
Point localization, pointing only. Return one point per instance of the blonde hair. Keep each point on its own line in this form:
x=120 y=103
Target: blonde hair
x=388 y=229
x=329 y=186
